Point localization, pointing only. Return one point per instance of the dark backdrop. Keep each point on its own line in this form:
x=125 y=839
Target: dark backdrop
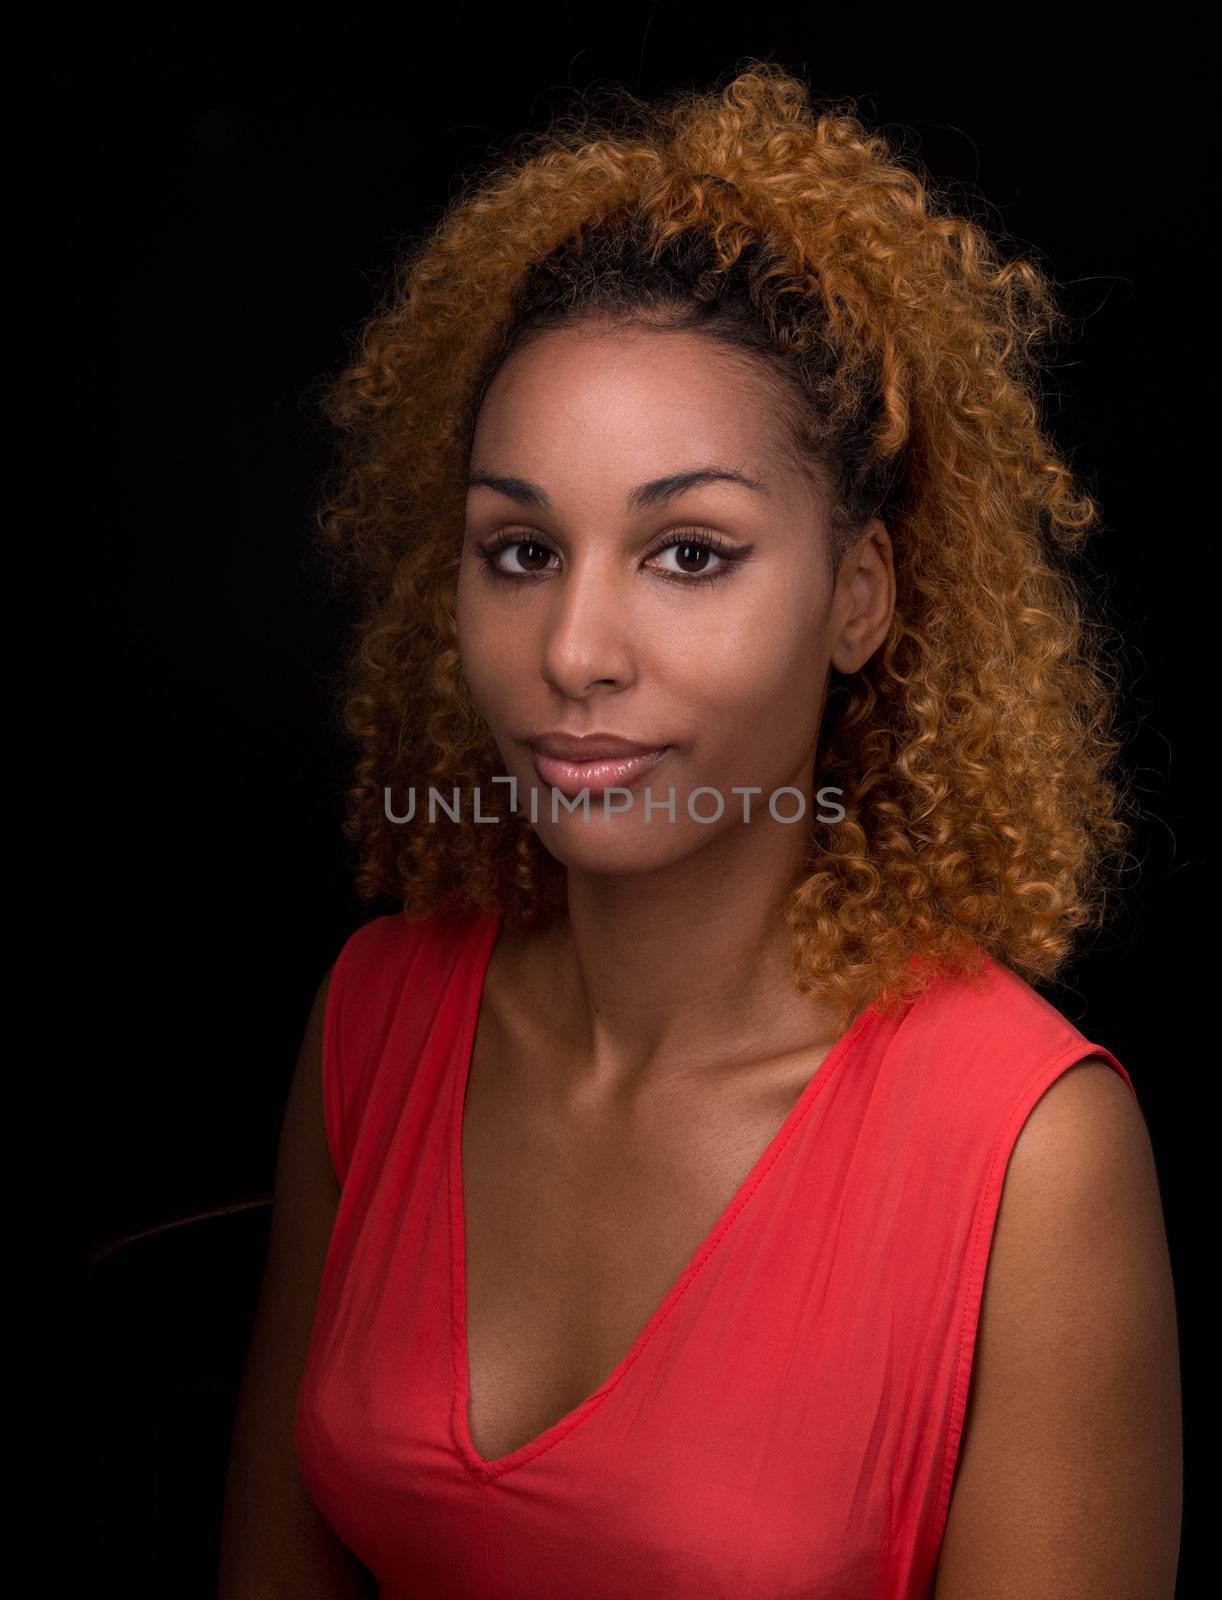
x=238 y=191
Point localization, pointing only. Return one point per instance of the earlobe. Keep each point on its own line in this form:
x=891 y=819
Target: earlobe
x=847 y=660
x=859 y=641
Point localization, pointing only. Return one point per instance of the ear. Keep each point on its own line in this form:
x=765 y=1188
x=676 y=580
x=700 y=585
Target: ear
x=864 y=599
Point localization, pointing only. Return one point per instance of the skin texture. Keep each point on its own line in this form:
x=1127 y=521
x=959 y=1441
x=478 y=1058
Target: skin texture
x=1070 y=1472
x=584 y=1201
x=612 y=636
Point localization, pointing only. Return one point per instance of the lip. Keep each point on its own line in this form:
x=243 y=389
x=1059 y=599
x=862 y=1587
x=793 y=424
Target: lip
x=603 y=762
x=589 y=746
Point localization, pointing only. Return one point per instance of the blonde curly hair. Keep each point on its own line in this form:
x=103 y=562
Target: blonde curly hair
x=976 y=750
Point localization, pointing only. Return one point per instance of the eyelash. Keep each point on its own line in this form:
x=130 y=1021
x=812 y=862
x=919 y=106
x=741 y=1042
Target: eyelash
x=684 y=538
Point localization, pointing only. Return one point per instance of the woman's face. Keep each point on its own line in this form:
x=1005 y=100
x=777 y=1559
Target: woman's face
x=586 y=603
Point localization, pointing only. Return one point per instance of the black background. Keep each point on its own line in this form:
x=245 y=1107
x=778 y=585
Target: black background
x=239 y=190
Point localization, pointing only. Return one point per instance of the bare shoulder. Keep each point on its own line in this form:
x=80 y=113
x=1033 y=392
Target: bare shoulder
x=1069 y=1477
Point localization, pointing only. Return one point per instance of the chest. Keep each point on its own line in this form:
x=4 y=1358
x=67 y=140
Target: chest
x=578 y=1222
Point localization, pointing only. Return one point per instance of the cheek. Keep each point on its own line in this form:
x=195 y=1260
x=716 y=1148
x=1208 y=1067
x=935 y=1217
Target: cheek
x=753 y=689
x=759 y=662
x=482 y=650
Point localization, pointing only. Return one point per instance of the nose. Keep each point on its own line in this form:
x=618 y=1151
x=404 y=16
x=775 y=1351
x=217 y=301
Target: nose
x=588 y=634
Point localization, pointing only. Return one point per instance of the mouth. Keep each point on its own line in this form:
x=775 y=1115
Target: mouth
x=603 y=772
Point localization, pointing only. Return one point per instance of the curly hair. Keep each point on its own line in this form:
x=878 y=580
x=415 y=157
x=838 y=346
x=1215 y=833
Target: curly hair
x=976 y=750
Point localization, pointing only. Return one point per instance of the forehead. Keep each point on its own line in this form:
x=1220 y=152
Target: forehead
x=636 y=396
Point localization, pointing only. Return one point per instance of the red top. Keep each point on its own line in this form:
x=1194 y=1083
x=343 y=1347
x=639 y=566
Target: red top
x=786 y=1423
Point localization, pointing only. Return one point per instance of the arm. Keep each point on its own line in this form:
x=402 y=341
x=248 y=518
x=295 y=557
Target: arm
x=1069 y=1477
x=275 y=1544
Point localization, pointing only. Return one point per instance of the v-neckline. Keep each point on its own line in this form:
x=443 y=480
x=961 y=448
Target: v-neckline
x=460 y=1354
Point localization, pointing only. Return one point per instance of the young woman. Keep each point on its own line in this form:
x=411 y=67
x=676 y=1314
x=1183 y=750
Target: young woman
x=642 y=1167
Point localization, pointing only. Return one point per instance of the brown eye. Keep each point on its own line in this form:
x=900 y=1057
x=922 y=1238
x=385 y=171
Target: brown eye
x=701 y=557
x=693 y=558
x=536 y=556
x=693 y=549
x=530 y=557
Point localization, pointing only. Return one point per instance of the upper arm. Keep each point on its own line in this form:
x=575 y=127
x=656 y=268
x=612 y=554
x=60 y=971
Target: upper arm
x=1069 y=1477
x=275 y=1543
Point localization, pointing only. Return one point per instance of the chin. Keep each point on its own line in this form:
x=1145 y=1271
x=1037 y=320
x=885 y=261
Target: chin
x=611 y=849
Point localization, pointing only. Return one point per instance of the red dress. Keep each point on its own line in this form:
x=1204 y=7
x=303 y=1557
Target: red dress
x=787 y=1422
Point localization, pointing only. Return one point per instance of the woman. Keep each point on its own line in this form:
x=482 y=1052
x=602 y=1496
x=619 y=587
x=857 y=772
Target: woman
x=642 y=1167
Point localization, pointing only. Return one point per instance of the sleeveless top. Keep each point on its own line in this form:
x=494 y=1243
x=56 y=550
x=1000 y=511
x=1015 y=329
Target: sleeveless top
x=787 y=1422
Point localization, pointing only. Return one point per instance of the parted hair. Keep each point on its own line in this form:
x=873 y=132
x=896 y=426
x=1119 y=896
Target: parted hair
x=976 y=751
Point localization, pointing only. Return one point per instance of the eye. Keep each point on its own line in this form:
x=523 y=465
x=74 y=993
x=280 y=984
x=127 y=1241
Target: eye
x=532 y=564
x=695 y=548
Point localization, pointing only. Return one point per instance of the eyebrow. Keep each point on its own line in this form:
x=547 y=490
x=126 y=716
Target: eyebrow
x=643 y=498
